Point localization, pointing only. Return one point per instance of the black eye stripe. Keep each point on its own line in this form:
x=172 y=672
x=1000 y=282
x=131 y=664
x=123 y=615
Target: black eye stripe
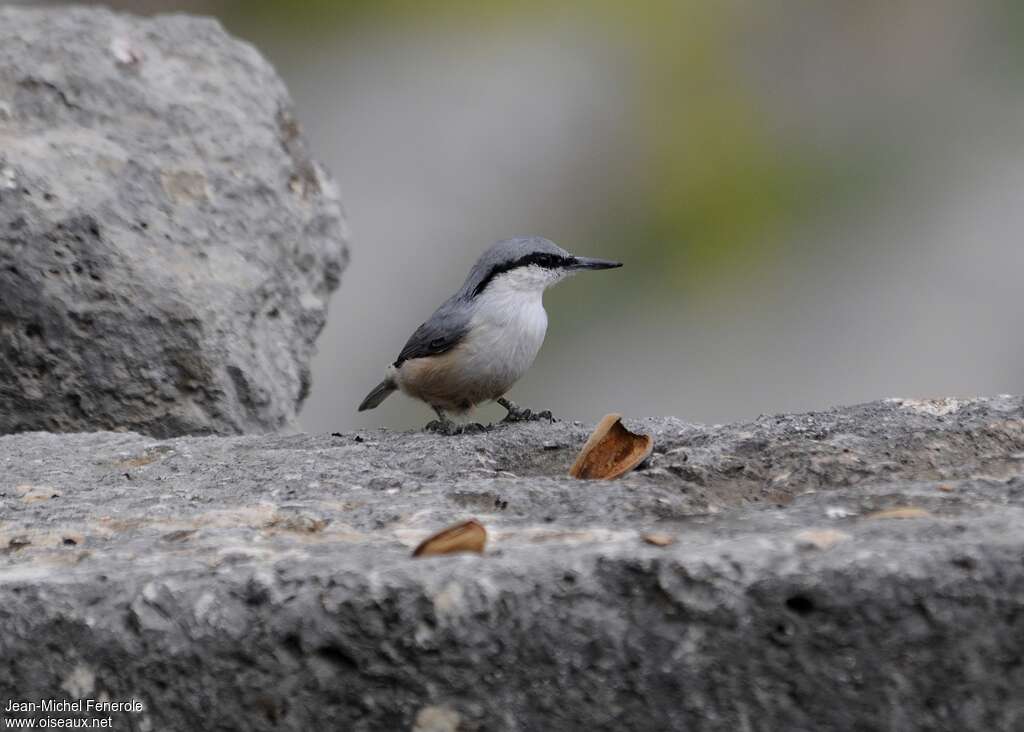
x=549 y=261
x=539 y=259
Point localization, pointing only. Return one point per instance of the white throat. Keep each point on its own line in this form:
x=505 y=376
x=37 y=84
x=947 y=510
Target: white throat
x=509 y=323
x=526 y=280
x=513 y=305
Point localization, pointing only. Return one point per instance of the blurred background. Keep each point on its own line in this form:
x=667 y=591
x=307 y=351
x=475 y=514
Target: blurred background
x=818 y=202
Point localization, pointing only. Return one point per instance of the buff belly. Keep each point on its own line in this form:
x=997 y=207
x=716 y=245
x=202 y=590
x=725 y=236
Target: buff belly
x=504 y=339
x=444 y=382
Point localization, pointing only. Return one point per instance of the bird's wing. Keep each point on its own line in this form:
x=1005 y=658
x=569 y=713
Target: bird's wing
x=442 y=332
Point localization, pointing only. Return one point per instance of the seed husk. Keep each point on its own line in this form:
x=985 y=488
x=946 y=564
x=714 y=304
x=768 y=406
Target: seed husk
x=820 y=538
x=611 y=451
x=900 y=512
x=468 y=536
x=657 y=538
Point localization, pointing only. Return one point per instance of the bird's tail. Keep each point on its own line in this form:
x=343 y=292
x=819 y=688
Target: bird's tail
x=380 y=392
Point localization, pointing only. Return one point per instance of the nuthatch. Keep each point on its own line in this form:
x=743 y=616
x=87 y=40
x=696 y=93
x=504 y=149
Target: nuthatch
x=484 y=337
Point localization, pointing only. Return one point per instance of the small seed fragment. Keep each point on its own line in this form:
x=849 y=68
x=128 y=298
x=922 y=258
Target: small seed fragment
x=658 y=539
x=611 y=452
x=36 y=493
x=820 y=538
x=468 y=536
x=18 y=542
x=900 y=512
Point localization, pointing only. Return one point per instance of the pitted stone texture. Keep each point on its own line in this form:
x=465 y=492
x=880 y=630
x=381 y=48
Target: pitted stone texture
x=858 y=568
x=167 y=246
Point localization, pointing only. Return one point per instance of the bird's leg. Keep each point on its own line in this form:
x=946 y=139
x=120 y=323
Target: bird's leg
x=442 y=425
x=515 y=414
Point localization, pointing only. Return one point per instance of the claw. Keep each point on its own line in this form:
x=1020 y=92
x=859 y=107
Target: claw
x=448 y=427
x=442 y=425
x=439 y=427
x=516 y=414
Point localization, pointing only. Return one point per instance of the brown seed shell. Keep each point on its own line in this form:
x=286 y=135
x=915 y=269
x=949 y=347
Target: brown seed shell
x=611 y=452
x=820 y=538
x=900 y=512
x=468 y=536
x=656 y=538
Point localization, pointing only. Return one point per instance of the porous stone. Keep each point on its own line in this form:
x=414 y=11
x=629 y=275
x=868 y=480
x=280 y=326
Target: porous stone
x=167 y=245
x=856 y=568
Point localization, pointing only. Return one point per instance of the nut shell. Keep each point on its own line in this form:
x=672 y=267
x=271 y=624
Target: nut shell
x=611 y=452
x=657 y=538
x=468 y=536
x=900 y=512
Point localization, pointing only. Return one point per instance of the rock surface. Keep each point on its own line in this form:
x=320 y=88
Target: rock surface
x=167 y=246
x=857 y=568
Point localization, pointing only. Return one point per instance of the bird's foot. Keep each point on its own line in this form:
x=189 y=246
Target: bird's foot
x=518 y=414
x=449 y=427
x=441 y=427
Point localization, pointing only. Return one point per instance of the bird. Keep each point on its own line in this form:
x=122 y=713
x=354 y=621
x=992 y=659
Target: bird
x=482 y=339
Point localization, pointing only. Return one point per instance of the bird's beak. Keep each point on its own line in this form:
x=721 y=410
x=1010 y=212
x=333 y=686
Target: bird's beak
x=591 y=263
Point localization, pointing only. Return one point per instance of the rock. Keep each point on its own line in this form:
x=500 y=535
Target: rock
x=265 y=582
x=167 y=246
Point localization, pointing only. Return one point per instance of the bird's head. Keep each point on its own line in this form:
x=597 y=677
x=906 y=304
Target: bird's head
x=528 y=264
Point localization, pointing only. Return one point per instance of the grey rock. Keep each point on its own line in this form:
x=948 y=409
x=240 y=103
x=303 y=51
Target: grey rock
x=857 y=568
x=167 y=246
